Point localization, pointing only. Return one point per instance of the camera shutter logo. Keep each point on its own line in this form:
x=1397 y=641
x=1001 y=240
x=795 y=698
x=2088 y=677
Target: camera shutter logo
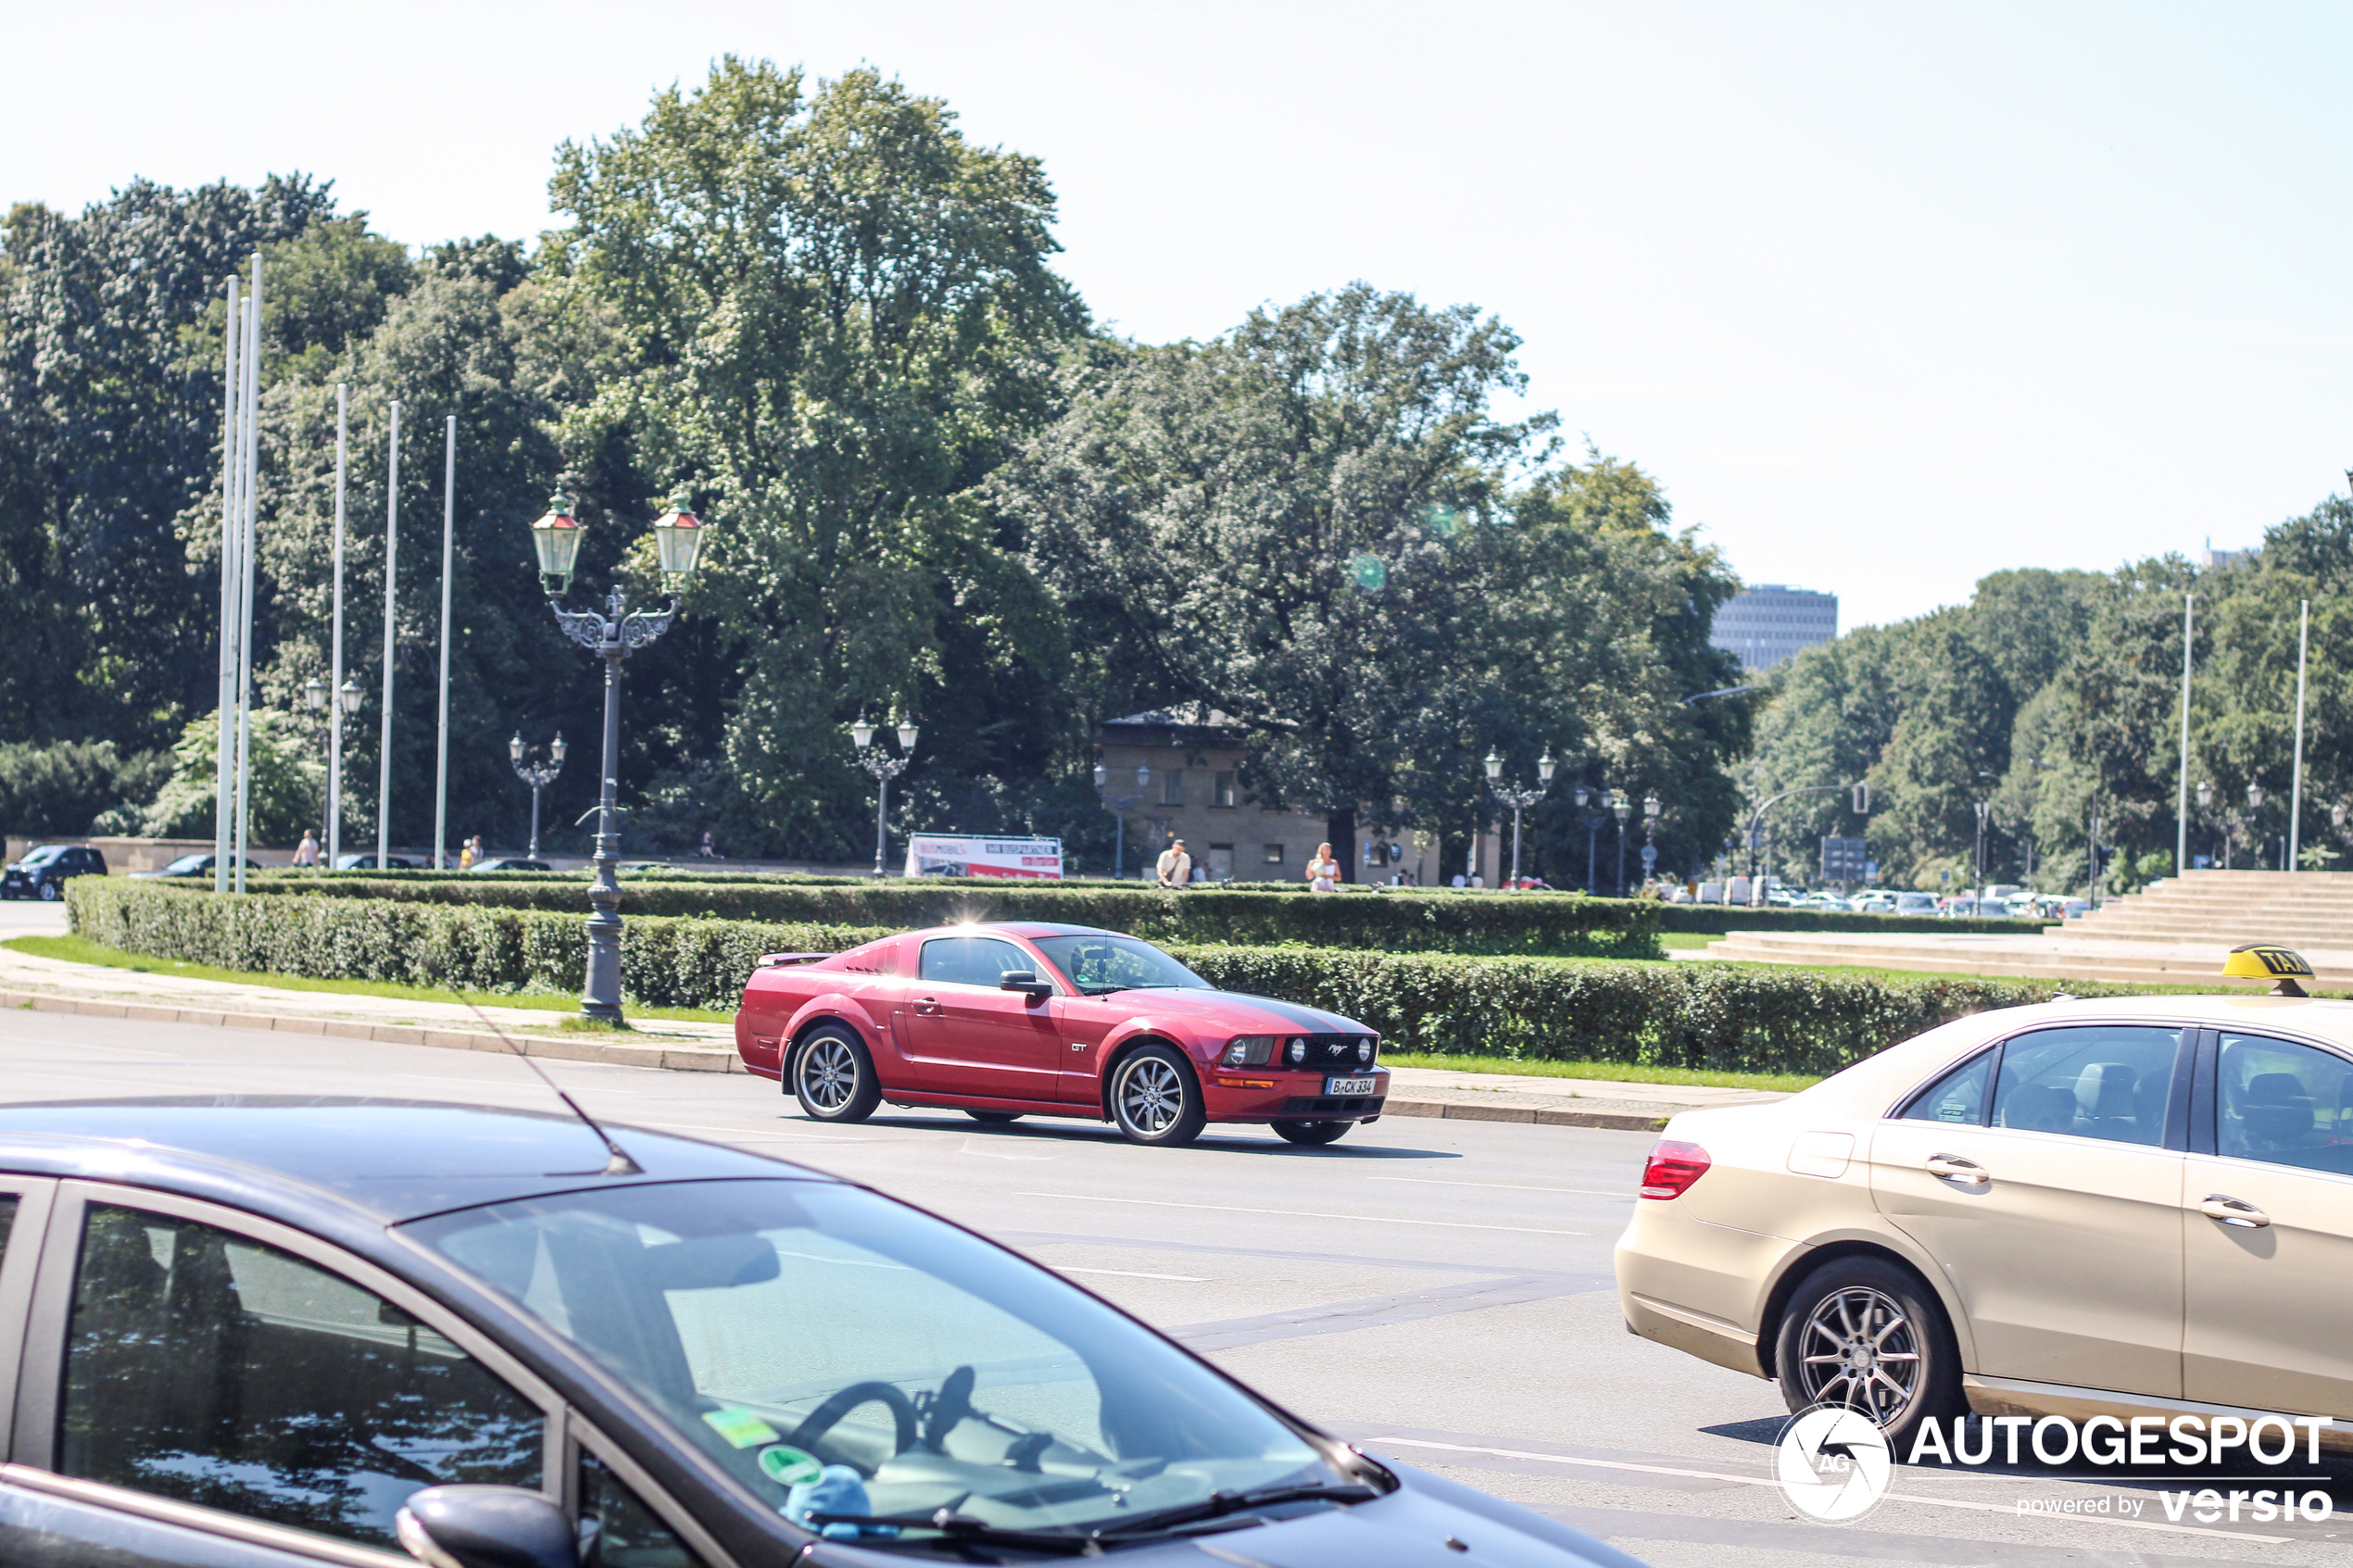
x=1833 y=1464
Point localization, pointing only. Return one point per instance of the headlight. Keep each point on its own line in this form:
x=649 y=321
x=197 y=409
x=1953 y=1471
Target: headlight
x=1363 y=1050
x=1248 y=1051
x=1298 y=1052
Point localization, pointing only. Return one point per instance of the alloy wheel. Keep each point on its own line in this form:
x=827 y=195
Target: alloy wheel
x=1860 y=1350
x=828 y=1072
x=1151 y=1096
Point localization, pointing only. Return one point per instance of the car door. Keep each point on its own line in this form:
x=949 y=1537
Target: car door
x=2266 y=1211
x=202 y=1387
x=966 y=1036
x=2047 y=1201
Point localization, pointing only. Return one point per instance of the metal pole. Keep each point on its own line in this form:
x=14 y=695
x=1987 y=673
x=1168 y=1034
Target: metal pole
x=2296 y=780
x=1592 y=837
x=334 y=677
x=1119 y=848
x=392 y=579
x=882 y=811
x=441 y=749
x=2181 y=788
x=1621 y=860
x=1516 y=842
x=246 y=563
x=231 y=446
x=534 y=819
x=600 y=998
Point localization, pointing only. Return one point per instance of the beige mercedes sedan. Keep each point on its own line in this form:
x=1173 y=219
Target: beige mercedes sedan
x=2133 y=1207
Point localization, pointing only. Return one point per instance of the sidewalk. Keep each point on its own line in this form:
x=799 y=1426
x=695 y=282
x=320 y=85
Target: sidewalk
x=57 y=985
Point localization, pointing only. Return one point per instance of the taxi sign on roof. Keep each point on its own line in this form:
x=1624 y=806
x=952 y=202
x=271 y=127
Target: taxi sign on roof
x=2267 y=961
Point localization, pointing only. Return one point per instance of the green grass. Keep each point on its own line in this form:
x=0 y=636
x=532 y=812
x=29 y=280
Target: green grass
x=80 y=950
x=1616 y=1071
x=1686 y=941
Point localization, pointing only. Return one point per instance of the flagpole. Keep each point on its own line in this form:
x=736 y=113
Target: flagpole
x=231 y=442
x=334 y=656
x=246 y=572
x=2295 y=779
x=392 y=562
x=2181 y=788
x=441 y=745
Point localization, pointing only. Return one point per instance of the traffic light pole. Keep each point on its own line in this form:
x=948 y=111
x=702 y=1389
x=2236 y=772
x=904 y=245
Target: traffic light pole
x=1862 y=792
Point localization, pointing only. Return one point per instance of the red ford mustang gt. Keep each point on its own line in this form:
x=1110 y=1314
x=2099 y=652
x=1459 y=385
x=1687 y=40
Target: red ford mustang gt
x=1026 y=1019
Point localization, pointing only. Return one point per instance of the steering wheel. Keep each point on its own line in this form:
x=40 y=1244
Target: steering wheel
x=826 y=1416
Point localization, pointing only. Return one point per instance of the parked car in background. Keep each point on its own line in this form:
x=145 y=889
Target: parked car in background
x=42 y=873
x=1876 y=902
x=510 y=863
x=368 y=863
x=1830 y=903
x=1916 y=903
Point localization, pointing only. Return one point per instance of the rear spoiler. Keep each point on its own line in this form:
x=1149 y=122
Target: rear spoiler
x=778 y=960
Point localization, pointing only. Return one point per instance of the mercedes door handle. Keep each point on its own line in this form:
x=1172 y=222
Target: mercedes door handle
x=2233 y=1212
x=928 y=1006
x=1958 y=1171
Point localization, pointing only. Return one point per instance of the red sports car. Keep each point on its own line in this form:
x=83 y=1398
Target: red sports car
x=1024 y=1019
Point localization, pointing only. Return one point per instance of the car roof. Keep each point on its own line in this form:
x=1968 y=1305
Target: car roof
x=1029 y=928
x=377 y=1161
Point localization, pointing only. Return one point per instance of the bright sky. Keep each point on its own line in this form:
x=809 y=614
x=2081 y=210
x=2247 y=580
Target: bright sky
x=1888 y=296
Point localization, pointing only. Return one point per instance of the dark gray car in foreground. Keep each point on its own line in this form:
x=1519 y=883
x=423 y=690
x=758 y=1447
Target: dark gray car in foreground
x=294 y=1331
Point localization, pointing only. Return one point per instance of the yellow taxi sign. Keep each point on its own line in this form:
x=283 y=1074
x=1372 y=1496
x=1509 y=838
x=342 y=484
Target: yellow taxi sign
x=2267 y=961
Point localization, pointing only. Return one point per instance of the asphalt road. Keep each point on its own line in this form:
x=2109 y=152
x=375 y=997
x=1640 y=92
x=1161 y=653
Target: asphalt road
x=1439 y=1291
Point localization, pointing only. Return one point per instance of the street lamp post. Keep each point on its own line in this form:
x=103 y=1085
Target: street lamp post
x=1650 y=830
x=1518 y=799
x=885 y=768
x=1621 y=808
x=612 y=636
x=1593 y=819
x=2254 y=820
x=538 y=775
x=1119 y=806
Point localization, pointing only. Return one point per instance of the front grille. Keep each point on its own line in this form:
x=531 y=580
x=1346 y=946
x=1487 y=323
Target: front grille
x=1329 y=1050
x=1326 y=1105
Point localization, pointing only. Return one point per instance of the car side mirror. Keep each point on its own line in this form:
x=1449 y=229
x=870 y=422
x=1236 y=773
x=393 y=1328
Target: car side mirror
x=1026 y=982
x=468 y=1527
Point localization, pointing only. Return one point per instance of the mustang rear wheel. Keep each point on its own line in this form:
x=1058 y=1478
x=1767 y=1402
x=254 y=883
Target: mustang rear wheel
x=1312 y=1132
x=1862 y=1333
x=1155 y=1099
x=833 y=1077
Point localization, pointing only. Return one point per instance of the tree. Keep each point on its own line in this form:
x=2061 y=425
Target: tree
x=1298 y=525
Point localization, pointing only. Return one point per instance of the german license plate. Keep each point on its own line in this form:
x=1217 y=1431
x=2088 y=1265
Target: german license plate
x=1348 y=1086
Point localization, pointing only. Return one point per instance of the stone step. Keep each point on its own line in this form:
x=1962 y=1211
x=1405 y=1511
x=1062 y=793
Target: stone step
x=2008 y=959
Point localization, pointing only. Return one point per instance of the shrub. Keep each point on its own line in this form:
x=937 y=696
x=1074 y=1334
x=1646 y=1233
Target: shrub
x=1395 y=921
x=59 y=791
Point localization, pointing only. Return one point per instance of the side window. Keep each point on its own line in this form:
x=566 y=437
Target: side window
x=209 y=1368
x=1221 y=791
x=617 y=1530
x=2099 y=1081
x=971 y=960
x=2285 y=1104
x=1958 y=1097
x=7 y=1221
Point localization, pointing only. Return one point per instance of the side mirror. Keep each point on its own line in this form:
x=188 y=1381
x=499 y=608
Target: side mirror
x=485 y=1527
x=1026 y=982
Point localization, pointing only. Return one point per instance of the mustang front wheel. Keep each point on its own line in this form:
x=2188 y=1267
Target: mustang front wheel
x=1154 y=1098
x=834 y=1078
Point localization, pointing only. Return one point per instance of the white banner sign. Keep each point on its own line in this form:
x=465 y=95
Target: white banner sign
x=934 y=855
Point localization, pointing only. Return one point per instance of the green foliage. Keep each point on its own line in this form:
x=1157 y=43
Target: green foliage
x=1397 y=919
x=59 y=791
x=287 y=773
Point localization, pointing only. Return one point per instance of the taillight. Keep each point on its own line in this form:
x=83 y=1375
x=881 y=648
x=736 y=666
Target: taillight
x=1672 y=1169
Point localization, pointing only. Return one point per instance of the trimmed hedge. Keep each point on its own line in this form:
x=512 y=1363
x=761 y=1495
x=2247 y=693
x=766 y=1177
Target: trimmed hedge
x=664 y=962
x=1753 y=1017
x=1394 y=920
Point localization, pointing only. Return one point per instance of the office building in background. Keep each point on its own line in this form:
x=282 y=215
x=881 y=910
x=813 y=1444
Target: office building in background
x=1768 y=622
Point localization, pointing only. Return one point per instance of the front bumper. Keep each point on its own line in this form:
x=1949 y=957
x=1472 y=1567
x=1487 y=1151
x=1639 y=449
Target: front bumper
x=1258 y=1093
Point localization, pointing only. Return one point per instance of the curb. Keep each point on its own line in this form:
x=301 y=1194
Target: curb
x=673 y=1059
x=684 y=1058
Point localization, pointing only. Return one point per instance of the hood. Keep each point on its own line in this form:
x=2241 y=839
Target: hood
x=1237 y=1012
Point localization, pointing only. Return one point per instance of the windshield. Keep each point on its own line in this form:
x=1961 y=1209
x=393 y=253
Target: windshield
x=41 y=856
x=789 y=1327
x=187 y=863
x=1098 y=965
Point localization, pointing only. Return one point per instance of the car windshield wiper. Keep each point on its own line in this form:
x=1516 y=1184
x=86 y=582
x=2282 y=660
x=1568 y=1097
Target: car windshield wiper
x=964 y=1527
x=1218 y=1504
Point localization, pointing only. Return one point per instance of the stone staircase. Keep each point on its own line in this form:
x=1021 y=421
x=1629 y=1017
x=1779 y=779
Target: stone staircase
x=2300 y=908
x=2176 y=931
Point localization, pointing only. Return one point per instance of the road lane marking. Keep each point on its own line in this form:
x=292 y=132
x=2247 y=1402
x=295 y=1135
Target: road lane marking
x=1763 y=1481
x=1501 y=1186
x=1299 y=1213
x=1131 y=1273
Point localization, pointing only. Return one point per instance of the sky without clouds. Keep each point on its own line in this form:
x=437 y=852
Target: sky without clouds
x=1888 y=296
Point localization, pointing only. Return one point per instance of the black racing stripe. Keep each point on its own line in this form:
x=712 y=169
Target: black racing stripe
x=1307 y=1020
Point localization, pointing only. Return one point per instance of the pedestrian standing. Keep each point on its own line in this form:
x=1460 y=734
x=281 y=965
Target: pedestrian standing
x=307 y=852
x=1176 y=866
x=1323 y=872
